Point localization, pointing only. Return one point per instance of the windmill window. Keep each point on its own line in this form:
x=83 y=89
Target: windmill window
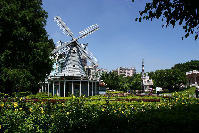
x=73 y=65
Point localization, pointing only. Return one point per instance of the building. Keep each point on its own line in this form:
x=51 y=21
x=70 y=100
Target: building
x=147 y=83
x=75 y=68
x=192 y=78
x=125 y=71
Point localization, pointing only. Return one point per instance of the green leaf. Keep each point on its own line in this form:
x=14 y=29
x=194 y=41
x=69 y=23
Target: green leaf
x=196 y=37
x=140 y=19
x=186 y=35
x=136 y=19
x=23 y=34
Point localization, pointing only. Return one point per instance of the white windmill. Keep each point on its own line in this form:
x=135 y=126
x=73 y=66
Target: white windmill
x=71 y=57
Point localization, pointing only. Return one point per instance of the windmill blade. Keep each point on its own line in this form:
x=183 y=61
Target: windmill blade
x=61 y=47
x=63 y=26
x=88 y=31
x=91 y=59
x=91 y=55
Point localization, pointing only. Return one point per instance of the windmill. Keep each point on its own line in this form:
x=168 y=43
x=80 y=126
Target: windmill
x=71 y=57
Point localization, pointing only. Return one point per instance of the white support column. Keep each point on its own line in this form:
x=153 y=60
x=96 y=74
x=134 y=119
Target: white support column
x=80 y=88
x=95 y=88
x=45 y=87
x=42 y=87
x=72 y=88
x=88 y=88
x=92 y=88
x=64 y=88
x=53 y=88
x=48 y=88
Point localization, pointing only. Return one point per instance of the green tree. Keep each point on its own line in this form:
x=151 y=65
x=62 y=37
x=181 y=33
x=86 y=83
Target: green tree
x=182 y=12
x=112 y=80
x=24 y=45
x=173 y=78
x=135 y=84
x=187 y=66
x=116 y=82
x=170 y=79
x=121 y=83
x=124 y=83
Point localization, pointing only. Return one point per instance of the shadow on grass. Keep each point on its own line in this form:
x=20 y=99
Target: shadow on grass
x=182 y=119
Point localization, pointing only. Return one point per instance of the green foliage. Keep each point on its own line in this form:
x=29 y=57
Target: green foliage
x=21 y=94
x=188 y=92
x=136 y=82
x=182 y=12
x=41 y=95
x=112 y=80
x=178 y=113
x=173 y=79
x=187 y=66
x=25 y=47
x=168 y=79
x=121 y=83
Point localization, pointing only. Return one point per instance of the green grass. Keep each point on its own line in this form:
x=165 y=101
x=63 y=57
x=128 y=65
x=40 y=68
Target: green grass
x=189 y=90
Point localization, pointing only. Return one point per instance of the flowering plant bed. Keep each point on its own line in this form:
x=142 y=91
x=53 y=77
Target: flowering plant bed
x=139 y=100
x=102 y=115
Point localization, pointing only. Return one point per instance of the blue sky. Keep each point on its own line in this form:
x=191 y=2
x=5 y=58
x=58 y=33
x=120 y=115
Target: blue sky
x=121 y=41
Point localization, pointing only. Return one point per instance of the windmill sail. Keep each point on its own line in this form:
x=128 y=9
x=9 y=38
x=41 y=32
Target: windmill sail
x=70 y=56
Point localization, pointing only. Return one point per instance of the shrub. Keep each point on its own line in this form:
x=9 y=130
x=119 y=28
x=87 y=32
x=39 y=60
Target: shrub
x=178 y=113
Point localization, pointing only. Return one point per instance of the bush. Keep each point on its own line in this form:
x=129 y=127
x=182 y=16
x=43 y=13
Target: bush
x=21 y=94
x=41 y=95
x=175 y=114
x=3 y=95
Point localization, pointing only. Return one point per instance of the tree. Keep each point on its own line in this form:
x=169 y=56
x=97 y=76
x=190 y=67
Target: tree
x=170 y=79
x=121 y=83
x=182 y=12
x=187 y=66
x=112 y=80
x=125 y=83
x=25 y=48
x=115 y=81
x=136 y=82
x=173 y=78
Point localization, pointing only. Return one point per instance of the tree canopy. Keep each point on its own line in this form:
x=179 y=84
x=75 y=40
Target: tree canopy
x=24 y=45
x=168 y=79
x=182 y=12
x=121 y=83
x=187 y=66
x=172 y=79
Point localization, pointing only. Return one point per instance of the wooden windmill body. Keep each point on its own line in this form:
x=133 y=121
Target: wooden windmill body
x=71 y=57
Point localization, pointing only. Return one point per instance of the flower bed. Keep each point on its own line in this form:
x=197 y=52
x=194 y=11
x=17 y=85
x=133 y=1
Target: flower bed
x=139 y=100
x=80 y=115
